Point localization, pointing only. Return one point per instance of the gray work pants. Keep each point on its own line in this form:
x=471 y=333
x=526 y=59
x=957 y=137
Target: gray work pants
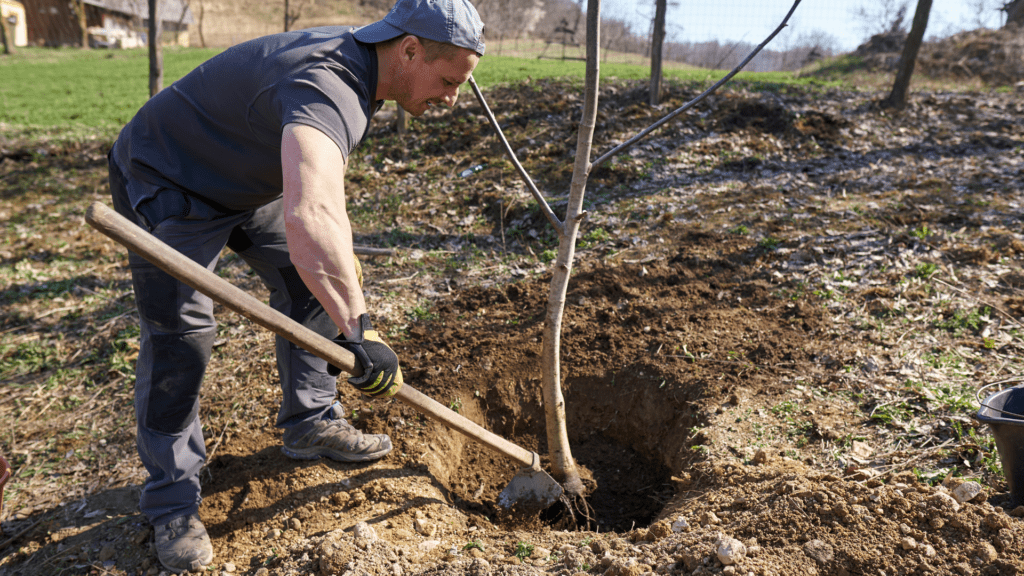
x=178 y=330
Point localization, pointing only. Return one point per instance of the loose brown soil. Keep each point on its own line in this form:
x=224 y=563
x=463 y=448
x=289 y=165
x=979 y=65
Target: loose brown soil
x=768 y=337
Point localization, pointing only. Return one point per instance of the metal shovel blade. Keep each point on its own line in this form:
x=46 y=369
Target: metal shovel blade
x=530 y=489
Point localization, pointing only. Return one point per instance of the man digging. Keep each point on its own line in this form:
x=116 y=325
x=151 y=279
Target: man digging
x=249 y=151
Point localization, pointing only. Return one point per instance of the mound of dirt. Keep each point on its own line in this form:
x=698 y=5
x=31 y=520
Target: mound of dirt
x=994 y=56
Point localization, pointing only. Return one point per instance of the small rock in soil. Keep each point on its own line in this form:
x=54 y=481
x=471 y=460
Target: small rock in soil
x=680 y=524
x=709 y=518
x=944 y=502
x=364 y=531
x=480 y=567
x=966 y=492
x=986 y=552
x=428 y=545
x=423 y=527
x=819 y=551
x=730 y=550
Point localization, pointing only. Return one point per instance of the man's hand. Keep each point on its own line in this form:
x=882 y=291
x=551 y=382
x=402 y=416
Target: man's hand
x=382 y=377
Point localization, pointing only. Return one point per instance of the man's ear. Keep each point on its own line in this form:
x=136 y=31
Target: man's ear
x=410 y=48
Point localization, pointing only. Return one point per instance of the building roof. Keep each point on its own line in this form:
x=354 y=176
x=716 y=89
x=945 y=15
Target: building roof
x=169 y=10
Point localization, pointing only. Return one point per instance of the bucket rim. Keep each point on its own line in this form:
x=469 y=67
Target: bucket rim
x=981 y=402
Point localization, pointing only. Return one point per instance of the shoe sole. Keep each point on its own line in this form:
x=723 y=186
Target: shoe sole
x=197 y=565
x=316 y=452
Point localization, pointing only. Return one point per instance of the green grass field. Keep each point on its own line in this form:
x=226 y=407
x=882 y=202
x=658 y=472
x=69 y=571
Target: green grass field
x=88 y=90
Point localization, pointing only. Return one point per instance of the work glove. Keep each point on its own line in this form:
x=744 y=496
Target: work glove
x=382 y=377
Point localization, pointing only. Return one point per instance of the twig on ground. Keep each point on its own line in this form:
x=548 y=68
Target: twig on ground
x=397 y=280
x=220 y=439
x=904 y=464
x=371 y=251
x=22 y=532
x=56 y=310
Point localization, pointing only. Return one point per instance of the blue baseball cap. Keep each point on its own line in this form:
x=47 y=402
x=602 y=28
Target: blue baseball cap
x=448 y=21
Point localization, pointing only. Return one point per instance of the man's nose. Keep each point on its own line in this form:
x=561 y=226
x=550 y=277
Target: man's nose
x=452 y=97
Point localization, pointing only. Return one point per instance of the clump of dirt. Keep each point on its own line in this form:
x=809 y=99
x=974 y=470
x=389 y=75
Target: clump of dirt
x=764 y=116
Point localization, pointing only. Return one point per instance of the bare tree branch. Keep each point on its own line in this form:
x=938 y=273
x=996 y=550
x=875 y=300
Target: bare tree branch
x=515 y=161
x=629 y=143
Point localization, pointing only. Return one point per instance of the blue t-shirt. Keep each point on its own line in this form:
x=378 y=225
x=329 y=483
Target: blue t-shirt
x=216 y=133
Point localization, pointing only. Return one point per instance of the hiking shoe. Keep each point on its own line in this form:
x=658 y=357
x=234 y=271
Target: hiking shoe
x=336 y=439
x=183 y=544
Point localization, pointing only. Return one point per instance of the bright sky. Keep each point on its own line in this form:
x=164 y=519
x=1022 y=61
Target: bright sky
x=753 y=20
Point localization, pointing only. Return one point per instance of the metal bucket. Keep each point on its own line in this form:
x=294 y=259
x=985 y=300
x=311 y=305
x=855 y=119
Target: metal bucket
x=1004 y=414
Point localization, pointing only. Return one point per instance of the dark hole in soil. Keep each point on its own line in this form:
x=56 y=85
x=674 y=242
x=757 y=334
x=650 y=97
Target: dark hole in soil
x=627 y=434
x=631 y=490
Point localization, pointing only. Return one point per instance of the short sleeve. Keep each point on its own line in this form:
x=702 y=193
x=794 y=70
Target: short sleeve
x=321 y=98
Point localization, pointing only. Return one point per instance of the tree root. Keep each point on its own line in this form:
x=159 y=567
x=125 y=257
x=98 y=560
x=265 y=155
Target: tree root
x=573 y=511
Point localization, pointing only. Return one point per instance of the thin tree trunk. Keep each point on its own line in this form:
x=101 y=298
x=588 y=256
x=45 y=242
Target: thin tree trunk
x=156 y=56
x=202 y=9
x=403 y=120
x=1014 y=13
x=285 y=15
x=79 y=7
x=6 y=38
x=898 y=97
x=563 y=467
x=657 y=46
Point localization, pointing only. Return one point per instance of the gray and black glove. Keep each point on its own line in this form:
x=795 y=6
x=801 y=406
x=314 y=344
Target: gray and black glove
x=382 y=377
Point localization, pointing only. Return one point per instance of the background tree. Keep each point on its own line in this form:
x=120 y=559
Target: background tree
x=79 y=7
x=657 y=47
x=292 y=13
x=881 y=16
x=199 y=24
x=1014 y=12
x=6 y=39
x=612 y=32
x=511 y=18
x=156 y=55
x=978 y=10
x=898 y=97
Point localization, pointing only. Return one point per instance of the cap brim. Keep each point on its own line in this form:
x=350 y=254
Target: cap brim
x=379 y=31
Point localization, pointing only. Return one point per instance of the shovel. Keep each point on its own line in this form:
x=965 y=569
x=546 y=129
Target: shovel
x=532 y=489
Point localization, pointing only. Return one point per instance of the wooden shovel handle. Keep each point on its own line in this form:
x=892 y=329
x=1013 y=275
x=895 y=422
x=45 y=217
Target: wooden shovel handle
x=223 y=292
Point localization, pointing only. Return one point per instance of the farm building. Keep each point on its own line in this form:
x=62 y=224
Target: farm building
x=14 y=14
x=109 y=23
